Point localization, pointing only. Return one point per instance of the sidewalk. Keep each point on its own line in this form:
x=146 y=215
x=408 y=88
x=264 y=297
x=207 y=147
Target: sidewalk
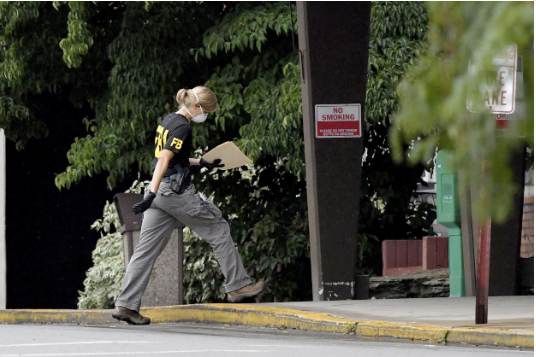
x=514 y=313
x=435 y=320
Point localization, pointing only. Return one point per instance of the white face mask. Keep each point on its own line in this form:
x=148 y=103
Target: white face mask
x=198 y=118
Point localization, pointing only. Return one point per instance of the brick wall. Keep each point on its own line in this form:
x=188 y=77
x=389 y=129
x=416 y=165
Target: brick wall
x=527 y=232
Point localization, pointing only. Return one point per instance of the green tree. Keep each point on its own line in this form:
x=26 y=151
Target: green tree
x=256 y=79
x=118 y=57
x=388 y=210
x=127 y=60
x=272 y=105
x=435 y=92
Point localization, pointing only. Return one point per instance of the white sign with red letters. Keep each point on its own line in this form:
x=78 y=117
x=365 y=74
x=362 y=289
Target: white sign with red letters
x=500 y=100
x=338 y=121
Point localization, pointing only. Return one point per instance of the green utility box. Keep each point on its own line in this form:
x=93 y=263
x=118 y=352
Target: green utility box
x=448 y=214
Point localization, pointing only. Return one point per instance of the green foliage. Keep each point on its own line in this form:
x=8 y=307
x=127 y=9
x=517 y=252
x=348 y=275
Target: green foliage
x=22 y=125
x=276 y=119
x=115 y=56
x=274 y=247
x=396 y=40
x=203 y=279
x=146 y=71
x=246 y=27
x=79 y=39
x=272 y=241
x=434 y=96
x=260 y=100
x=126 y=60
x=387 y=209
x=120 y=61
x=256 y=83
x=259 y=97
x=103 y=280
x=19 y=47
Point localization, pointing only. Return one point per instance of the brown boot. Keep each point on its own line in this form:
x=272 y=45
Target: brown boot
x=247 y=291
x=130 y=316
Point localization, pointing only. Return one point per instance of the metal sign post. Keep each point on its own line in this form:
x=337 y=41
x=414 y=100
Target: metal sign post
x=482 y=282
x=498 y=245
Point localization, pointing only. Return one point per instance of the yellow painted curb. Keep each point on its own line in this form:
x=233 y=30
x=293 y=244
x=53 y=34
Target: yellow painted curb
x=56 y=316
x=490 y=337
x=250 y=315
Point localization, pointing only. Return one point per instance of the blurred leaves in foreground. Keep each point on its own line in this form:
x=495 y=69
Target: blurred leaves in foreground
x=433 y=107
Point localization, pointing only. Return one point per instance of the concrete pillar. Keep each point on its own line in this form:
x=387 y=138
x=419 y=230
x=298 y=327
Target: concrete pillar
x=165 y=285
x=334 y=43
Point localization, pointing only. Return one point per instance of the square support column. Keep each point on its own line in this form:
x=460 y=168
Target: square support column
x=334 y=45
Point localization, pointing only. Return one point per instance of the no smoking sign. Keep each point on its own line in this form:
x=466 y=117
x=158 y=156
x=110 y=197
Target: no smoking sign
x=338 y=120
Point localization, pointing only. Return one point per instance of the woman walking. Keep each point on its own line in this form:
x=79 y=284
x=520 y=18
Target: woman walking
x=162 y=207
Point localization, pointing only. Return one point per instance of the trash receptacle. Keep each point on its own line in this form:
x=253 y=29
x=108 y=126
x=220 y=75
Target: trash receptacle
x=165 y=284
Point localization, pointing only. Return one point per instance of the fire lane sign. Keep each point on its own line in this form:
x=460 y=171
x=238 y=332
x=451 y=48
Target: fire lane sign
x=500 y=100
x=338 y=121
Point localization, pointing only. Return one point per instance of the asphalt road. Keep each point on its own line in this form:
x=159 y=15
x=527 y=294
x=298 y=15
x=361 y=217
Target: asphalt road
x=208 y=340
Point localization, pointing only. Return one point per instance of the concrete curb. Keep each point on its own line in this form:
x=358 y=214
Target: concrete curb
x=250 y=315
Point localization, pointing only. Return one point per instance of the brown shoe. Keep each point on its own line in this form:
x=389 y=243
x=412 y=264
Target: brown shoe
x=130 y=316
x=247 y=291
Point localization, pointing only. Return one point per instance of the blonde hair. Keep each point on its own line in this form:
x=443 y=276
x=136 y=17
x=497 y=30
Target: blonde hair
x=207 y=98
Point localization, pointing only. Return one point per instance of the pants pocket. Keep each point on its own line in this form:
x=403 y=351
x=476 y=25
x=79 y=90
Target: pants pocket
x=203 y=209
x=165 y=190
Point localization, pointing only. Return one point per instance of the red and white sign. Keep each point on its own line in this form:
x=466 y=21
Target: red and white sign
x=338 y=120
x=501 y=99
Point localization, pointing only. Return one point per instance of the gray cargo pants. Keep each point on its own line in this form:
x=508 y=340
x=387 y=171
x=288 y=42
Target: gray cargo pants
x=203 y=217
